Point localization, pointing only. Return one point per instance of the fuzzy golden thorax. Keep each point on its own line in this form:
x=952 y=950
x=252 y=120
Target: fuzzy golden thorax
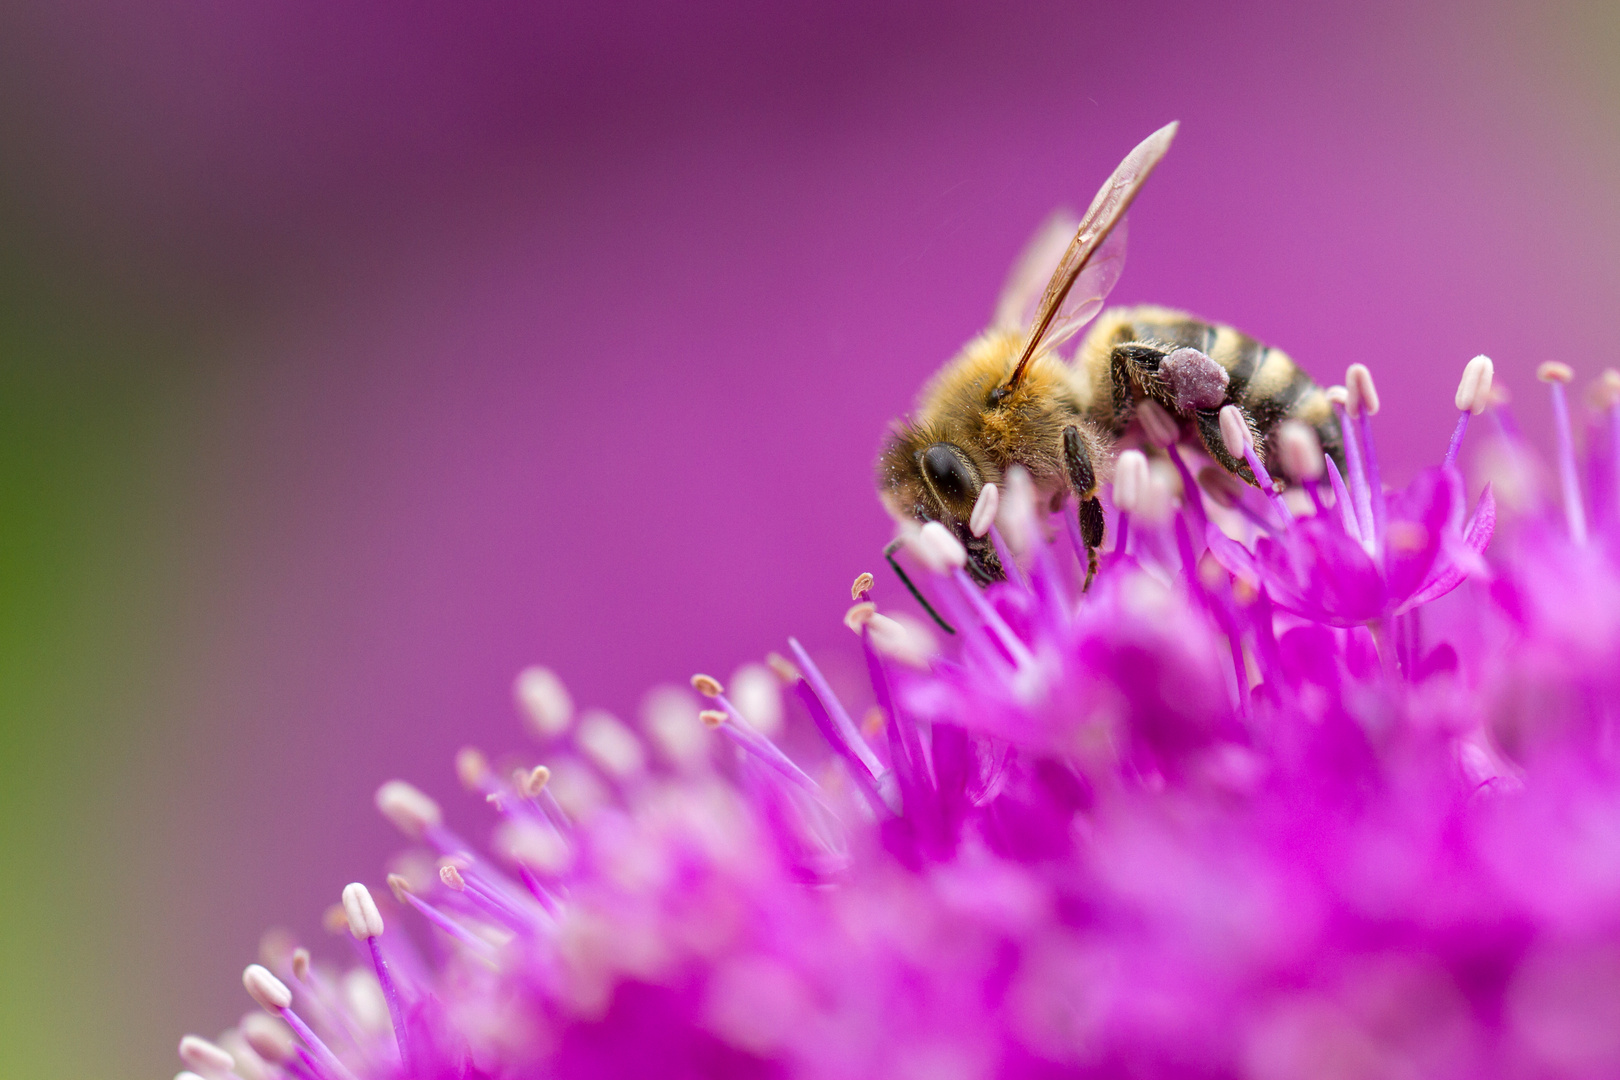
x=955 y=411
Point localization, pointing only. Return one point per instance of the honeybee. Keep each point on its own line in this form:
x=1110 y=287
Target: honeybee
x=1009 y=397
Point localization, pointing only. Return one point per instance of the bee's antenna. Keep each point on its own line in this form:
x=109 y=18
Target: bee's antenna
x=916 y=593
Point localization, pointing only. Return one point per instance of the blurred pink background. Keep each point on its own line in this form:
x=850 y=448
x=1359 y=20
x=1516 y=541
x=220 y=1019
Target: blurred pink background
x=425 y=344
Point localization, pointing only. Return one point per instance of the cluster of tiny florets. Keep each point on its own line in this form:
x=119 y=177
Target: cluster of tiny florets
x=1310 y=781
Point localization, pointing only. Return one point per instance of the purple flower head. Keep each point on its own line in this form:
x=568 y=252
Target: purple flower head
x=1310 y=783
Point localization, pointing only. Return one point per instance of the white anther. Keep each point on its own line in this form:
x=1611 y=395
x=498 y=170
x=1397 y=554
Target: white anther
x=937 y=549
x=905 y=640
x=1363 y=393
x=451 y=876
x=756 y=692
x=539 y=847
x=545 y=701
x=1553 y=371
x=1606 y=391
x=669 y=714
x=1016 y=515
x=270 y=992
x=269 y=1037
x=533 y=782
x=206 y=1058
x=707 y=685
x=365 y=921
x=247 y=1062
x=1299 y=450
x=1235 y=433
x=984 y=510
x=1130 y=480
x=411 y=811
x=472 y=768
x=1337 y=395
x=1158 y=500
x=610 y=745
x=363 y=995
x=1474 y=389
x=1158 y=425
x=859 y=615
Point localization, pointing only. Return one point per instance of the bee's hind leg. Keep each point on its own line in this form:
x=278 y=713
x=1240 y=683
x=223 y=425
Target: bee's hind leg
x=1083 y=478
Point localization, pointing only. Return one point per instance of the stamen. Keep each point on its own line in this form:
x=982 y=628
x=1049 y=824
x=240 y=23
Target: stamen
x=732 y=724
x=411 y=811
x=1130 y=480
x=1556 y=376
x=707 y=685
x=835 y=709
x=1015 y=516
x=1239 y=440
x=452 y=878
x=1016 y=651
x=270 y=992
x=300 y=964
x=1361 y=392
x=1341 y=499
x=1158 y=425
x=937 y=549
x=1474 y=389
x=783 y=666
x=535 y=781
x=433 y=915
x=1300 y=451
x=544 y=701
x=757 y=695
x=857 y=591
x=857 y=616
x=712 y=718
x=1130 y=486
x=1554 y=372
x=610 y=745
x=268 y=1037
x=366 y=924
x=334 y=921
x=248 y=1064
x=1361 y=497
x=984 y=510
x=365 y=921
x=206 y=1058
x=472 y=769
x=1473 y=397
x=911 y=645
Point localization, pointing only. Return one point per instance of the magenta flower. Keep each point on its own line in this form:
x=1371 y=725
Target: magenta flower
x=1254 y=805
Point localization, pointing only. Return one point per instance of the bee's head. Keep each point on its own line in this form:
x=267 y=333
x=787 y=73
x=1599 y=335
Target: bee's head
x=926 y=477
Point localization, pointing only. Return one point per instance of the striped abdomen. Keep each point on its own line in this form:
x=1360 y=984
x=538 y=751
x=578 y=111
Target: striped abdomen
x=1264 y=381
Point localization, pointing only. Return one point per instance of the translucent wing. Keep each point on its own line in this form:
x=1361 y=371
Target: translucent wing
x=1090 y=289
x=1090 y=245
x=1015 y=307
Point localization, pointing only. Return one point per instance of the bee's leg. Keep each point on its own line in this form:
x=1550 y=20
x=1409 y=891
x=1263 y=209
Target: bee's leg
x=1083 y=478
x=916 y=593
x=1209 y=432
x=1133 y=368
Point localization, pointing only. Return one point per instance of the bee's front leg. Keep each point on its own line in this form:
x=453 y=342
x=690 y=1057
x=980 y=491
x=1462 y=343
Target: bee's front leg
x=1083 y=478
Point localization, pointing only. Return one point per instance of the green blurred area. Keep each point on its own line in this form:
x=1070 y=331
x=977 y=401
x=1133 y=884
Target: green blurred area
x=99 y=459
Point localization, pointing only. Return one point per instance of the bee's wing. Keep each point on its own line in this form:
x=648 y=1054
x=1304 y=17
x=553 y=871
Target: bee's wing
x=1015 y=307
x=1090 y=289
x=1091 y=246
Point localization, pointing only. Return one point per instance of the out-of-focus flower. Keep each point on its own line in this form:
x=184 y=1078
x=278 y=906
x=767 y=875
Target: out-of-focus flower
x=1252 y=805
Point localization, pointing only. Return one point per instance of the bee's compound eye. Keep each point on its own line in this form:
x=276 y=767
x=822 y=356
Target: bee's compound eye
x=947 y=472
